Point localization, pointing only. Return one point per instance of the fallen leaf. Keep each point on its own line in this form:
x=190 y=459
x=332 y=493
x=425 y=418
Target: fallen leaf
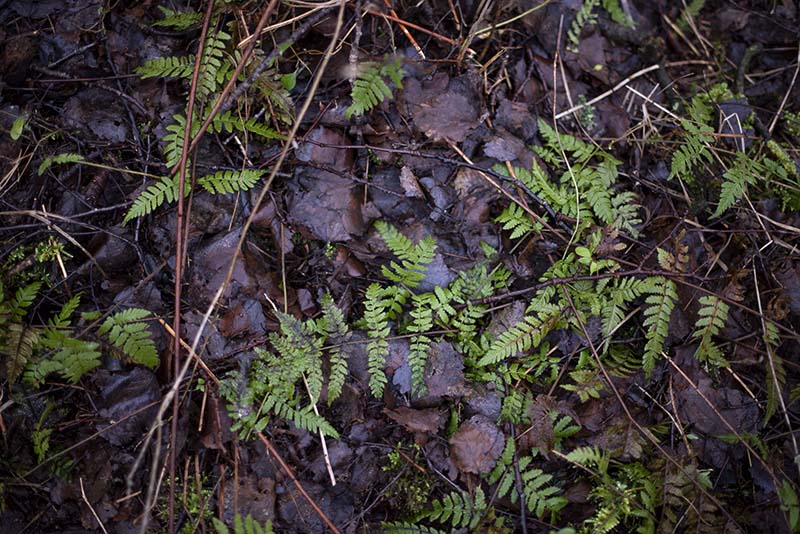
x=429 y=420
x=476 y=445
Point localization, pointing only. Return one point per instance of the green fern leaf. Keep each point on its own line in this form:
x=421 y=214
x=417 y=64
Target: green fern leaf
x=515 y=219
x=421 y=322
x=179 y=20
x=18 y=347
x=22 y=300
x=126 y=331
x=742 y=174
x=660 y=303
x=370 y=87
x=336 y=329
x=167 y=67
x=230 y=181
x=58 y=160
x=712 y=316
x=542 y=318
x=693 y=152
x=377 y=324
x=617 y=14
x=583 y=17
x=414 y=258
x=402 y=527
x=164 y=190
x=457 y=509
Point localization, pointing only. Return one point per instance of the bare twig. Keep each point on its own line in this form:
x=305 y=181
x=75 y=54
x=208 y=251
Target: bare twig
x=774 y=120
x=176 y=325
x=291 y=475
x=91 y=509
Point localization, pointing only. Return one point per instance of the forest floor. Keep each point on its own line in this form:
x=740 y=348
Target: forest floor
x=442 y=266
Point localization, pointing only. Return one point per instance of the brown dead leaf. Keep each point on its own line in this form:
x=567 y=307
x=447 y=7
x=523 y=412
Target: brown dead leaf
x=429 y=420
x=476 y=445
x=444 y=109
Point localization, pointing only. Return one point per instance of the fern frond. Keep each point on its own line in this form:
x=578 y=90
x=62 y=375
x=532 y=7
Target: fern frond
x=414 y=257
x=404 y=527
x=458 y=509
x=776 y=370
x=591 y=457
x=62 y=318
x=20 y=341
x=617 y=14
x=540 y=496
x=126 y=331
x=167 y=67
x=692 y=153
x=516 y=220
x=711 y=319
x=614 y=304
x=22 y=300
x=421 y=322
x=737 y=179
x=583 y=17
x=179 y=20
x=580 y=151
x=164 y=190
x=304 y=419
x=231 y=181
x=659 y=305
x=377 y=324
x=588 y=384
x=337 y=330
x=370 y=87
x=542 y=317
x=58 y=160
x=626 y=212
x=212 y=64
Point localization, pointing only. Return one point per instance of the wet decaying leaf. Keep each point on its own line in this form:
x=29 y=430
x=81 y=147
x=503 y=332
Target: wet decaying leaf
x=476 y=445
x=444 y=109
x=417 y=420
x=123 y=403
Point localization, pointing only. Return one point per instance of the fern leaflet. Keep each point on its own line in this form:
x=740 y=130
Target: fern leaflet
x=370 y=87
x=335 y=327
x=458 y=509
x=712 y=317
x=58 y=160
x=414 y=259
x=660 y=303
x=128 y=333
x=230 y=181
x=377 y=323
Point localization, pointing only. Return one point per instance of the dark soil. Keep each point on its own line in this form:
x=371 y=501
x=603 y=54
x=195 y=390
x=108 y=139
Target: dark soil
x=716 y=441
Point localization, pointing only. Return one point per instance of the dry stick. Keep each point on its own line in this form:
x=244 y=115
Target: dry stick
x=96 y=517
x=405 y=31
x=775 y=382
x=786 y=96
x=404 y=23
x=156 y=428
x=290 y=473
x=608 y=93
x=192 y=353
x=643 y=431
x=229 y=86
x=225 y=102
x=176 y=347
